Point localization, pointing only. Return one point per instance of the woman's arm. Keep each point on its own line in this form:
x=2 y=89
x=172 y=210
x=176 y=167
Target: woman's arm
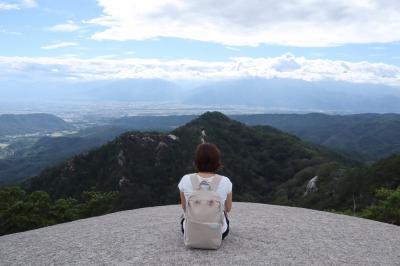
x=228 y=202
x=183 y=201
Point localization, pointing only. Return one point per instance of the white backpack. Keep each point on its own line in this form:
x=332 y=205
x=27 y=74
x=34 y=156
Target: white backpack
x=204 y=215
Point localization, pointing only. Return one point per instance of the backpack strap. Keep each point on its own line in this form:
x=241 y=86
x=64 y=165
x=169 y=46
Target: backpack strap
x=195 y=182
x=215 y=182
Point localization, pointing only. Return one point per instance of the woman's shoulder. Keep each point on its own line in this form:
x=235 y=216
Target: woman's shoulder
x=186 y=177
x=185 y=182
x=225 y=184
x=225 y=179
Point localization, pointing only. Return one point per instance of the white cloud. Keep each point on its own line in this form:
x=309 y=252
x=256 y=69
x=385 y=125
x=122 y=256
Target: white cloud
x=19 y=5
x=59 y=45
x=70 y=26
x=252 y=22
x=285 y=66
x=232 y=48
x=8 y=6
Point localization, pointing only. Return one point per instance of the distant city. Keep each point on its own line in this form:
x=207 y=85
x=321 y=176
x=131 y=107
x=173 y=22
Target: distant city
x=87 y=114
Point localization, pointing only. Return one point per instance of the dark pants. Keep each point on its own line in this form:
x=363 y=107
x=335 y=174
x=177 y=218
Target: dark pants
x=223 y=235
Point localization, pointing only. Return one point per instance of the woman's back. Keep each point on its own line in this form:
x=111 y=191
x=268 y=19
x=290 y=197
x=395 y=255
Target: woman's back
x=205 y=221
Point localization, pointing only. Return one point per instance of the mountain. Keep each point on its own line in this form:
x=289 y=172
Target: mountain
x=367 y=137
x=335 y=187
x=16 y=124
x=31 y=159
x=271 y=95
x=27 y=158
x=290 y=95
x=149 y=165
x=261 y=234
x=141 y=169
x=265 y=164
x=137 y=90
x=364 y=137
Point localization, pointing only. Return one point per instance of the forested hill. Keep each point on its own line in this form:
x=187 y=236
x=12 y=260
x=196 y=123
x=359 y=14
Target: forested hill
x=146 y=167
x=362 y=136
x=365 y=137
x=49 y=151
x=16 y=124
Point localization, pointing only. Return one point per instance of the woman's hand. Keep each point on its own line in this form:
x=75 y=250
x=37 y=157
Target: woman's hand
x=183 y=201
x=228 y=202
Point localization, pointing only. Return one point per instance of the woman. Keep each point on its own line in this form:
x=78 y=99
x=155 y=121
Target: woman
x=208 y=161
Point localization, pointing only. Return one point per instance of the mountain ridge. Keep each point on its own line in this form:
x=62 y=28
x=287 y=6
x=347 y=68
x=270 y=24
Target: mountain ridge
x=269 y=94
x=266 y=157
x=299 y=95
x=15 y=124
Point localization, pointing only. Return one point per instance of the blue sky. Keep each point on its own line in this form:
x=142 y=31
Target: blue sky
x=206 y=31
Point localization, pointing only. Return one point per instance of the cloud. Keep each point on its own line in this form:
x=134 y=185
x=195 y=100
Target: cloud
x=59 y=45
x=306 y=23
x=285 y=66
x=7 y=6
x=70 y=26
x=232 y=48
x=19 y=5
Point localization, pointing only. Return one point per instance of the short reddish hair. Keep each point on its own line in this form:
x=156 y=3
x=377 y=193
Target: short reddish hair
x=207 y=158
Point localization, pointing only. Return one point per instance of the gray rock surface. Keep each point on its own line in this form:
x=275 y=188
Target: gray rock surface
x=260 y=235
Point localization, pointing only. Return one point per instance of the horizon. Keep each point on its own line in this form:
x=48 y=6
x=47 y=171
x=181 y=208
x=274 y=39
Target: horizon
x=116 y=58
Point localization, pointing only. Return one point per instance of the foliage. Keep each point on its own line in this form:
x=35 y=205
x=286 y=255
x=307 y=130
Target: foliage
x=387 y=209
x=20 y=211
x=97 y=203
x=29 y=159
x=367 y=137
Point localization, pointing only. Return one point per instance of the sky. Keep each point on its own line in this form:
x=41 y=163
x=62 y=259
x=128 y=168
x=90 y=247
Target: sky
x=357 y=41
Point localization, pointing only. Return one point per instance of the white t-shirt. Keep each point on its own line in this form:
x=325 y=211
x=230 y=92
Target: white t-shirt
x=223 y=189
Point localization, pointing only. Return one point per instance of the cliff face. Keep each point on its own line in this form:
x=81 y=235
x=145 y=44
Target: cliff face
x=260 y=235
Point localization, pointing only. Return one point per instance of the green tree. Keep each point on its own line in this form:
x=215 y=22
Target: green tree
x=27 y=213
x=65 y=210
x=9 y=196
x=388 y=207
x=98 y=203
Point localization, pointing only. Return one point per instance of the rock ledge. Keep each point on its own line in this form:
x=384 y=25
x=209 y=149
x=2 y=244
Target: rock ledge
x=260 y=235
